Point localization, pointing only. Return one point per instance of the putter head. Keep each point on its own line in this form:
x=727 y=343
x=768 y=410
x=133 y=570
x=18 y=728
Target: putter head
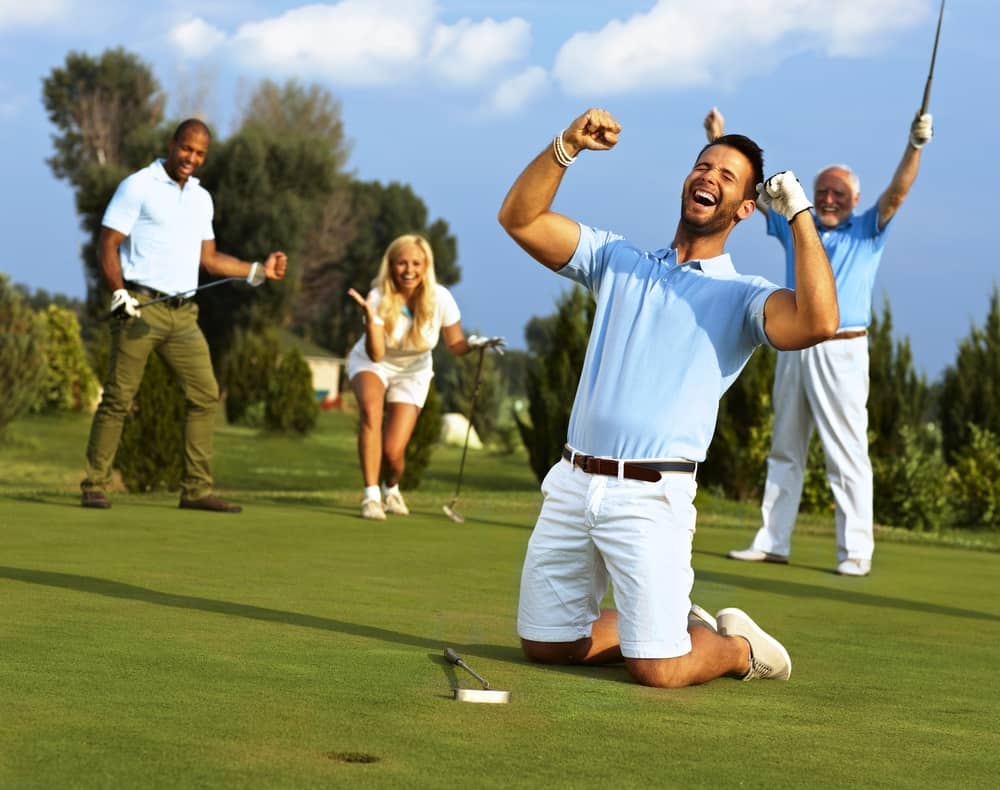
x=495 y=696
x=453 y=514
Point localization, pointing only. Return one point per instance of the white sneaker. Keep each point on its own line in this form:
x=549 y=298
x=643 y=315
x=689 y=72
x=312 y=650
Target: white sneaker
x=768 y=658
x=372 y=508
x=394 y=504
x=756 y=555
x=853 y=567
x=698 y=616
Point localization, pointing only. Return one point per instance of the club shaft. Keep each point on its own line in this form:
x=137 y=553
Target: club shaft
x=468 y=430
x=166 y=297
x=930 y=74
x=474 y=674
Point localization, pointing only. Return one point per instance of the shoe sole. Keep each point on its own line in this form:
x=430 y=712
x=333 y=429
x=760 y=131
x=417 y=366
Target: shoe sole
x=699 y=615
x=757 y=633
x=777 y=559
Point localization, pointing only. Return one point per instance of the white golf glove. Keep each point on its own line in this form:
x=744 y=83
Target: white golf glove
x=124 y=305
x=496 y=343
x=783 y=193
x=257 y=275
x=921 y=130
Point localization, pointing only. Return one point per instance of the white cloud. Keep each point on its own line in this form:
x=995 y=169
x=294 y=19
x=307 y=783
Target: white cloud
x=27 y=13
x=468 y=51
x=196 y=38
x=681 y=43
x=353 y=42
x=513 y=94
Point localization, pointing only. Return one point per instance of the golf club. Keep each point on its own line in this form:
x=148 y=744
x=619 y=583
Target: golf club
x=185 y=294
x=449 y=509
x=930 y=74
x=485 y=694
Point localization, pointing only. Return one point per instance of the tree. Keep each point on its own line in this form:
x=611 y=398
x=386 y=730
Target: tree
x=22 y=353
x=553 y=375
x=69 y=383
x=107 y=111
x=970 y=391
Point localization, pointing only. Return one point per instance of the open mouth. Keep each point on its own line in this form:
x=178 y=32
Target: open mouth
x=704 y=198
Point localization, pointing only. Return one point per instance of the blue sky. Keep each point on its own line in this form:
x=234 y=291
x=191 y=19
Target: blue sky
x=455 y=98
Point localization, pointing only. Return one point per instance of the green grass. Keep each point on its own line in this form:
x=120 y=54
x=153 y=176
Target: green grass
x=296 y=645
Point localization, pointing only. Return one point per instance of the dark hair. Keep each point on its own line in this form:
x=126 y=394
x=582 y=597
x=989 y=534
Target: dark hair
x=753 y=152
x=191 y=123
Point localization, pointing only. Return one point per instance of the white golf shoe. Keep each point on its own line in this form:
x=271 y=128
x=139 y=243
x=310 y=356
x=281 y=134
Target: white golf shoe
x=698 y=616
x=372 y=508
x=768 y=658
x=756 y=555
x=394 y=504
x=854 y=567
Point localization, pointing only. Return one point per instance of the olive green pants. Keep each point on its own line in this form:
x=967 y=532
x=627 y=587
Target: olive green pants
x=174 y=334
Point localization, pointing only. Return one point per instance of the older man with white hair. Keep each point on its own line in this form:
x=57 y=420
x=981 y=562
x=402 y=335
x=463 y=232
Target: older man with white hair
x=825 y=387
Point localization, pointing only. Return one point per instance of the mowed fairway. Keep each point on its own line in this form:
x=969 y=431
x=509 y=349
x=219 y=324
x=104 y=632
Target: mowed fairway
x=296 y=645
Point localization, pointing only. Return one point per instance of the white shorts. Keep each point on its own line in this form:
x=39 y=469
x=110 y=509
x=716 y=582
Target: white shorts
x=400 y=387
x=594 y=530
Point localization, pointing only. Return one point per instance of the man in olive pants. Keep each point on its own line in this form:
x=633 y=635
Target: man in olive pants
x=156 y=232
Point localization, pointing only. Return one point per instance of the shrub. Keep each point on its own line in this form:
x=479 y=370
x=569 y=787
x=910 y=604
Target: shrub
x=291 y=403
x=912 y=489
x=151 y=453
x=69 y=383
x=23 y=363
x=246 y=375
x=976 y=480
x=426 y=434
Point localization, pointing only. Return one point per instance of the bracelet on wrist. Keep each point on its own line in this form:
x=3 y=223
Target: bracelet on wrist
x=563 y=159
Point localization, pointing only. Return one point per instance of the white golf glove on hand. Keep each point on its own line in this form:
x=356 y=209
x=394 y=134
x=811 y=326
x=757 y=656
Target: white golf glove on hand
x=783 y=193
x=921 y=130
x=124 y=305
x=496 y=343
x=257 y=274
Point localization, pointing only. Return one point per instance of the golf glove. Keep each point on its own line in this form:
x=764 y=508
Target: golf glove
x=496 y=343
x=124 y=305
x=783 y=193
x=256 y=275
x=921 y=130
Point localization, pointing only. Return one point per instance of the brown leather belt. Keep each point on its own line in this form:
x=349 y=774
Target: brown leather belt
x=170 y=300
x=850 y=334
x=650 y=471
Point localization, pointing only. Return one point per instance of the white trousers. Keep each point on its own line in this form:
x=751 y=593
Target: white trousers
x=823 y=388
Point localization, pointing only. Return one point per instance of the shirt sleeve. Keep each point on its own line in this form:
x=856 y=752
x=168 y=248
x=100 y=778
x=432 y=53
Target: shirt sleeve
x=125 y=206
x=448 y=307
x=759 y=291
x=590 y=260
x=207 y=231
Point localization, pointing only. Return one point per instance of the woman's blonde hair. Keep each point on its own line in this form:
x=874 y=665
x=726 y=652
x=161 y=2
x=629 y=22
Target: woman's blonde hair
x=392 y=304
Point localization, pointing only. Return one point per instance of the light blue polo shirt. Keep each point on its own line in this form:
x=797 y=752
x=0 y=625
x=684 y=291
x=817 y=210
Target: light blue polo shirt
x=164 y=225
x=855 y=252
x=668 y=340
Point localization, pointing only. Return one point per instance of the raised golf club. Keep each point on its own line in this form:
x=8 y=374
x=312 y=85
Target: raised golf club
x=449 y=509
x=185 y=294
x=485 y=694
x=930 y=74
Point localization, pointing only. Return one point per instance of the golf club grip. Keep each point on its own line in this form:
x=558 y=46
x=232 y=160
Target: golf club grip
x=452 y=656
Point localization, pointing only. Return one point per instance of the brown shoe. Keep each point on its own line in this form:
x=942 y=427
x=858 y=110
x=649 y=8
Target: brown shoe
x=96 y=499
x=211 y=502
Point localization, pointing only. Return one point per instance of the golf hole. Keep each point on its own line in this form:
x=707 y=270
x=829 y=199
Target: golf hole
x=353 y=757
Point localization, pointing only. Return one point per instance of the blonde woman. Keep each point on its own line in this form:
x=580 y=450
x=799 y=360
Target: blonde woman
x=390 y=367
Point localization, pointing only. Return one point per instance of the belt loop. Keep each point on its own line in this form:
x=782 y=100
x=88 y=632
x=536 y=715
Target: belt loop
x=572 y=458
x=621 y=470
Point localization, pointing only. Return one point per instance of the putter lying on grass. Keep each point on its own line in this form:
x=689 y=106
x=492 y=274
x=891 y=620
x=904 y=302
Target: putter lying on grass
x=485 y=694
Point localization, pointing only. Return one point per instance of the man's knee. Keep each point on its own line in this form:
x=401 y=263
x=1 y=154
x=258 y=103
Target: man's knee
x=553 y=652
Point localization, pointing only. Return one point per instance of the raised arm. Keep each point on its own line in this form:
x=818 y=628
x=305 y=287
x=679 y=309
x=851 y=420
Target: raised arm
x=219 y=264
x=526 y=213
x=921 y=132
x=809 y=314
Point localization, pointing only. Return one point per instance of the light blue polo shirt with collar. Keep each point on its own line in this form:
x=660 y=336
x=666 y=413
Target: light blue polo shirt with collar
x=855 y=251
x=164 y=227
x=667 y=341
